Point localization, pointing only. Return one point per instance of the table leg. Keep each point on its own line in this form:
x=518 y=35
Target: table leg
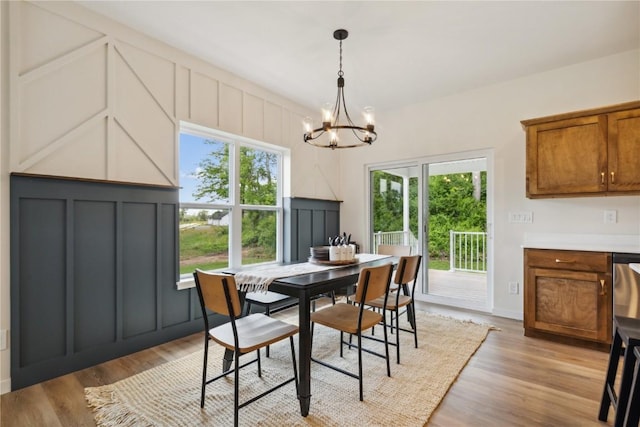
x=405 y=288
x=227 y=359
x=304 y=353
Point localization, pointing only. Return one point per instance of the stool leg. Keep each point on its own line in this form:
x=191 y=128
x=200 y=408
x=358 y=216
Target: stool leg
x=625 y=387
x=614 y=359
x=632 y=417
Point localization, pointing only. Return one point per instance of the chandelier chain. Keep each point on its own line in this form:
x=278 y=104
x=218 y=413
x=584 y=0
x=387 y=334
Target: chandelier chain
x=340 y=73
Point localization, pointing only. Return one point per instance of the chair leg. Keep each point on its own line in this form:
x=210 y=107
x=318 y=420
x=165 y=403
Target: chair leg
x=236 y=389
x=625 y=387
x=386 y=346
x=632 y=417
x=415 y=326
x=614 y=359
x=267 y=312
x=397 y=334
x=360 y=364
x=295 y=366
x=204 y=368
x=259 y=364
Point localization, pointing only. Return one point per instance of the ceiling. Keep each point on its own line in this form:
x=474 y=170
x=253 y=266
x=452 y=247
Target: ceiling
x=397 y=53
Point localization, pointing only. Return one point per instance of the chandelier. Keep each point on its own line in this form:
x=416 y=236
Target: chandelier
x=328 y=135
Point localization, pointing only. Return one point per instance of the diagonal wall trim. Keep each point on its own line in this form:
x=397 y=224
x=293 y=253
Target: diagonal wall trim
x=57 y=143
x=146 y=88
x=62 y=60
x=142 y=150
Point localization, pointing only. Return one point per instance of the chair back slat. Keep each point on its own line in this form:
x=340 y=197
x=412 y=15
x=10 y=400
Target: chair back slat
x=408 y=267
x=212 y=290
x=373 y=282
x=395 y=250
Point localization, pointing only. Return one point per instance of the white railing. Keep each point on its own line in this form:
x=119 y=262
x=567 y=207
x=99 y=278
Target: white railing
x=395 y=238
x=468 y=251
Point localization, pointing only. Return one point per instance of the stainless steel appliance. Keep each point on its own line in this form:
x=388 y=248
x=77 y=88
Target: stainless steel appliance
x=626 y=286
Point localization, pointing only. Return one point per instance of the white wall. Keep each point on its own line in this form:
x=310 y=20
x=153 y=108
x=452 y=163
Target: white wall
x=490 y=118
x=90 y=98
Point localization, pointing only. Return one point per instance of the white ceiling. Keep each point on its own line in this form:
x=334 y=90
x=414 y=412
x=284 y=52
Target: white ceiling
x=397 y=53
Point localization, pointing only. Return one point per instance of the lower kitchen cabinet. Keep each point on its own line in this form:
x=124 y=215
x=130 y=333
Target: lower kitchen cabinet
x=568 y=296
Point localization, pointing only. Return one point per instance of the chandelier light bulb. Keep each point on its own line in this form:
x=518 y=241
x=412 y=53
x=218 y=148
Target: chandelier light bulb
x=369 y=115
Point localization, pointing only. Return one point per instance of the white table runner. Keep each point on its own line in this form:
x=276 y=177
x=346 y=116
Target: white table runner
x=259 y=278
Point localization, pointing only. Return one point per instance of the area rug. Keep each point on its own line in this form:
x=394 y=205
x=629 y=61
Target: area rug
x=169 y=394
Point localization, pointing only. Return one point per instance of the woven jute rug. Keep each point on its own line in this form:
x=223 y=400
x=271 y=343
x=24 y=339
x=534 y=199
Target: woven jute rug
x=169 y=394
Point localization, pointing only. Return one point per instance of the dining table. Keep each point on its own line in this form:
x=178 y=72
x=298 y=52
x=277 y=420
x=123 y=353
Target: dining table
x=306 y=285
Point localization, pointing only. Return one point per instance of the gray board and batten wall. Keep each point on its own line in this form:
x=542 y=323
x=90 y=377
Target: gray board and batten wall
x=94 y=266
x=93 y=274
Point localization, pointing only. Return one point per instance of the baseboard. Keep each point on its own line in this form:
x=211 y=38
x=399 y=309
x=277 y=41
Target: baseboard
x=509 y=314
x=5 y=386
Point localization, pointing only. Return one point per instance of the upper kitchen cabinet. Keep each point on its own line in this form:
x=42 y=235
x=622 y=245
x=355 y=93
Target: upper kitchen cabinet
x=584 y=153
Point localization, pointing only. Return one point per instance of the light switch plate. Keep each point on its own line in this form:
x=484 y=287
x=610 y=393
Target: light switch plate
x=610 y=216
x=521 y=217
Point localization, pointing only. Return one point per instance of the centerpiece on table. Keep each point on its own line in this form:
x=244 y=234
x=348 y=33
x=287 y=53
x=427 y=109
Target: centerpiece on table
x=339 y=251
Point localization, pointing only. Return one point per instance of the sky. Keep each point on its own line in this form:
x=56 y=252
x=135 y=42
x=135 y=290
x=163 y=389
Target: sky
x=192 y=150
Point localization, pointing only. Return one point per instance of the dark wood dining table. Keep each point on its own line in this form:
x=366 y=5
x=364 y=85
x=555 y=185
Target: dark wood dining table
x=305 y=287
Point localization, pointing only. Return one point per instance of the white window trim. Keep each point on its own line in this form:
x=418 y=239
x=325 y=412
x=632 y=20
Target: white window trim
x=234 y=206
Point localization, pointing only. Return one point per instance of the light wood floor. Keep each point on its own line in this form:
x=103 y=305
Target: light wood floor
x=510 y=381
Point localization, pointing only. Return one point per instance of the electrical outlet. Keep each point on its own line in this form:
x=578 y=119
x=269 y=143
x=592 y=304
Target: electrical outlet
x=610 y=216
x=520 y=217
x=514 y=288
x=3 y=339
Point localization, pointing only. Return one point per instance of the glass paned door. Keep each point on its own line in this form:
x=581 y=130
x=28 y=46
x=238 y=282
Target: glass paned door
x=455 y=211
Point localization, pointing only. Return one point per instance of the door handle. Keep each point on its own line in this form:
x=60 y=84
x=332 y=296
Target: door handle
x=601 y=177
x=560 y=261
x=613 y=177
x=602 y=288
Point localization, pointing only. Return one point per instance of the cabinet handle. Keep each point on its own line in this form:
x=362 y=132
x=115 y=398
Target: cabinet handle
x=560 y=261
x=602 y=290
x=601 y=177
x=613 y=177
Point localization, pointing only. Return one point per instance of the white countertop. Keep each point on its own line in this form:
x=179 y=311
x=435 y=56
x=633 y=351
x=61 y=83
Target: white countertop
x=583 y=242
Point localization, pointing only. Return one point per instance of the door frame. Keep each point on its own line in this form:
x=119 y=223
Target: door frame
x=419 y=163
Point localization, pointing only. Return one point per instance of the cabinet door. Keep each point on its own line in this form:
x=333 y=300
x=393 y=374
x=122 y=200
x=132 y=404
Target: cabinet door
x=567 y=157
x=571 y=303
x=624 y=151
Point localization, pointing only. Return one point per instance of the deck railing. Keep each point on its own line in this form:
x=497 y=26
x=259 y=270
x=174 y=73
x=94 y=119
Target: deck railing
x=468 y=251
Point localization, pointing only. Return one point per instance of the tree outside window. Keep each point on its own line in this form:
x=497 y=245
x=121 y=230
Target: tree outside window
x=208 y=201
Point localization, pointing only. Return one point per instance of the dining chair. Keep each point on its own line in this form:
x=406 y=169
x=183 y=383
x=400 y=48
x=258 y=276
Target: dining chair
x=394 y=250
x=373 y=282
x=406 y=275
x=272 y=302
x=241 y=334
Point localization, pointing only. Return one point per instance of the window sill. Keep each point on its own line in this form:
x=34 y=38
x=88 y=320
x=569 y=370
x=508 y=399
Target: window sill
x=185 y=284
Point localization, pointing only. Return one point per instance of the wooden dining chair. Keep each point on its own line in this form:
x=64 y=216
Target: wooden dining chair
x=394 y=250
x=242 y=335
x=373 y=282
x=406 y=275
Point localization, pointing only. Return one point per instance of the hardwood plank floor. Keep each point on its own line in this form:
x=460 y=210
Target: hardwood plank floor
x=510 y=381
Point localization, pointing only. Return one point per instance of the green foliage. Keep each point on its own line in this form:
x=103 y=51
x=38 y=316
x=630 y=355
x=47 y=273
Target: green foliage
x=453 y=205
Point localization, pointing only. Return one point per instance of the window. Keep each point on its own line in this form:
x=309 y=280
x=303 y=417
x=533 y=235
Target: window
x=230 y=200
